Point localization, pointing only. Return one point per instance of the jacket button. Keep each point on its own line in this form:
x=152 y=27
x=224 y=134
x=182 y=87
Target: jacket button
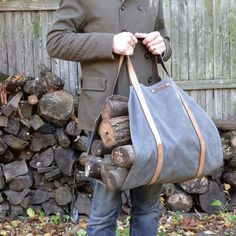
x=122 y=7
x=150 y=80
x=140 y=7
x=147 y=55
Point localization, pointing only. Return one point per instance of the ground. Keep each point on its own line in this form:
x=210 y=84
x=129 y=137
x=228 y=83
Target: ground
x=172 y=223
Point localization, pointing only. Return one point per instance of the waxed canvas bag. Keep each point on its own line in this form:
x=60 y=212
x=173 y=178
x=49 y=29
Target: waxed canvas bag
x=173 y=137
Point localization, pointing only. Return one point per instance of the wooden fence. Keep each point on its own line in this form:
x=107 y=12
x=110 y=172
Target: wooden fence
x=203 y=38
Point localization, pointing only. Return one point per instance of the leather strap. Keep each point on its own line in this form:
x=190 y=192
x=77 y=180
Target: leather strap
x=148 y=115
x=199 y=134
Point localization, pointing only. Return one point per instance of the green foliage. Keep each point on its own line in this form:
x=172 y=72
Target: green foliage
x=81 y=232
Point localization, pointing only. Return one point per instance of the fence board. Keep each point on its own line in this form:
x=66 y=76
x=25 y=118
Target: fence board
x=202 y=35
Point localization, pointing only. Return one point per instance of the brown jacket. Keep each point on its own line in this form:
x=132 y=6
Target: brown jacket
x=83 y=31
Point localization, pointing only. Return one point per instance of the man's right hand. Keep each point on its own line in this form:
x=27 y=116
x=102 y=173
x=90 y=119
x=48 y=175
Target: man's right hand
x=124 y=43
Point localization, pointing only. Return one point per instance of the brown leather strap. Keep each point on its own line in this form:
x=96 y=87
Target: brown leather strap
x=148 y=115
x=199 y=134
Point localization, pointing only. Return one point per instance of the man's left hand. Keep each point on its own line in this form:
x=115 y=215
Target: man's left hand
x=153 y=41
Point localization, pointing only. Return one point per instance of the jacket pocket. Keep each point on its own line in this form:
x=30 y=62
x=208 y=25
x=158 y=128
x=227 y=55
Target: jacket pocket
x=95 y=83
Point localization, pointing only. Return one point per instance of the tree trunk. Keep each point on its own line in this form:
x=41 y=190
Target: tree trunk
x=115 y=131
x=123 y=156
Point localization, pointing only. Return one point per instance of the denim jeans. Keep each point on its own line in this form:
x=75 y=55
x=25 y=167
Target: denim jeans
x=107 y=204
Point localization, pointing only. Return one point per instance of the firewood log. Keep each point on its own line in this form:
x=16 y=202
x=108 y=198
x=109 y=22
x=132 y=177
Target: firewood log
x=63 y=196
x=230 y=178
x=180 y=202
x=232 y=162
x=228 y=125
x=33 y=99
x=3 y=146
x=115 y=106
x=12 y=105
x=93 y=167
x=98 y=148
x=169 y=189
x=214 y=193
x=114 y=178
x=115 y=131
x=123 y=156
x=80 y=144
x=195 y=186
x=61 y=138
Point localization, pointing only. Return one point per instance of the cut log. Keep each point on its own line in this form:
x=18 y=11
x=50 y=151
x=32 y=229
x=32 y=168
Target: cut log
x=123 y=156
x=45 y=159
x=40 y=196
x=63 y=196
x=52 y=104
x=12 y=83
x=169 y=189
x=16 y=197
x=3 y=147
x=98 y=148
x=25 y=154
x=62 y=139
x=80 y=144
x=42 y=141
x=15 y=169
x=228 y=152
x=195 y=186
x=24 y=134
x=21 y=182
x=207 y=198
x=115 y=178
x=230 y=178
x=13 y=126
x=107 y=165
x=53 y=174
x=227 y=125
x=33 y=99
x=47 y=129
x=72 y=129
x=233 y=142
x=115 y=106
x=36 y=122
x=15 y=211
x=84 y=158
x=51 y=208
x=2 y=179
x=13 y=104
x=7 y=157
x=15 y=143
x=93 y=167
x=65 y=159
x=232 y=162
x=84 y=204
x=180 y=202
x=35 y=86
x=25 y=110
x=115 y=132
x=3 y=121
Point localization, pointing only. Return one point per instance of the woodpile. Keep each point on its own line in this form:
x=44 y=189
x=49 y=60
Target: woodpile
x=40 y=143
x=44 y=162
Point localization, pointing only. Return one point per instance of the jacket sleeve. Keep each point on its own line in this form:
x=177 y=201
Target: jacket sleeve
x=160 y=26
x=66 y=39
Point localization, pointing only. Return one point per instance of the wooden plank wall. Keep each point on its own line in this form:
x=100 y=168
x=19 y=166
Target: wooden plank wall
x=202 y=35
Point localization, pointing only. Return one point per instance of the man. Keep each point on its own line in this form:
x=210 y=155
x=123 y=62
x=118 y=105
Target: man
x=95 y=33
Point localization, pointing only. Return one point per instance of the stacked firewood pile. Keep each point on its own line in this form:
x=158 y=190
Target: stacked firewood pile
x=42 y=149
x=112 y=155
x=39 y=144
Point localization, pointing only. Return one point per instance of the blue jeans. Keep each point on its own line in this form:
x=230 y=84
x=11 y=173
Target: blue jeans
x=144 y=212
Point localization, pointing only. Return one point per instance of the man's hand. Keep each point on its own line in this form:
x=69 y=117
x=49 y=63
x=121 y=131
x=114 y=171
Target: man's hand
x=124 y=43
x=153 y=41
